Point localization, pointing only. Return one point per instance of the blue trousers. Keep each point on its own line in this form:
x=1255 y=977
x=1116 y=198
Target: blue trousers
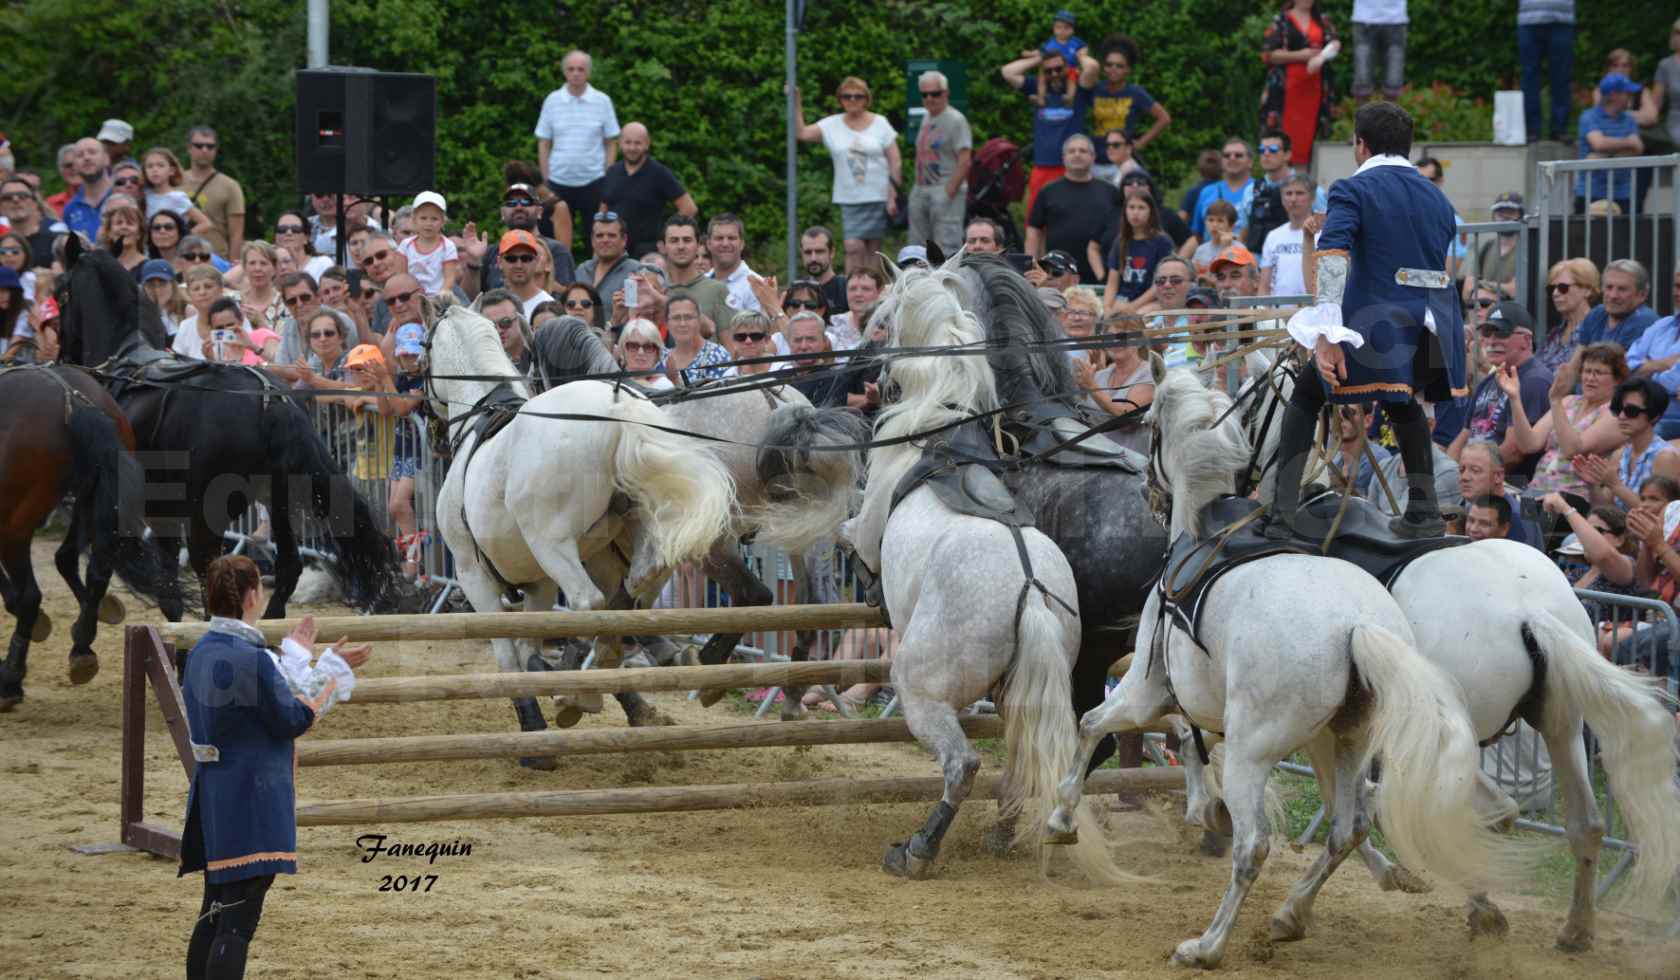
x=1554 y=44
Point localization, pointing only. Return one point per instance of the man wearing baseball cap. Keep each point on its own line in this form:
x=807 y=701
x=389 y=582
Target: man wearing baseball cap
x=522 y=209
x=1608 y=130
x=1234 y=271
x=1508 y=344
x=517 y=254
x=1496 y=261
x=117 y=136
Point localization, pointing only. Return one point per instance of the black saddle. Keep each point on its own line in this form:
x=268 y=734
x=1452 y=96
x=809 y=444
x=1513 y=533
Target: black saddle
x=1046 y=431
x=1363 y=538
x=962 y=470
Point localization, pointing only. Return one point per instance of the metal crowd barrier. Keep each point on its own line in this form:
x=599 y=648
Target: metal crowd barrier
x=1637 y=233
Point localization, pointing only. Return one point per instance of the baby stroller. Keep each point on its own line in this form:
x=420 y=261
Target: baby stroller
x=997 y=179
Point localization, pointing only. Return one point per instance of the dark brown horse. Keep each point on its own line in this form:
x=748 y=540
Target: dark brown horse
x=62 y=434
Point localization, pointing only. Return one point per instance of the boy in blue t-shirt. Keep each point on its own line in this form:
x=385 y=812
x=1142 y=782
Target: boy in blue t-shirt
x=1062 y=40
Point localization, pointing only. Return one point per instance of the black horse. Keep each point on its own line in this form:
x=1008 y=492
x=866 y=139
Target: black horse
x=216 y=439
x=1097 y=514
x=60 y=433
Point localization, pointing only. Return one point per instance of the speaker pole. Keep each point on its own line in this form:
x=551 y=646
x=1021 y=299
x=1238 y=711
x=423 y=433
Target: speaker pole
x=339 y=245
x=319 y=23
x=792 y=55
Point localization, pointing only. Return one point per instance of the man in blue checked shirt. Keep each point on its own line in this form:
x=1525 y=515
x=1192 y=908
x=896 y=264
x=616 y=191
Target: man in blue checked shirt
x=1656 y=355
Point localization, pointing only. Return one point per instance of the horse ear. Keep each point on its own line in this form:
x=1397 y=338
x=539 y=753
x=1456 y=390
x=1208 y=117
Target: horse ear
x=1157 y=367
x=891 y=267
x=936 y=255
x=73 y=248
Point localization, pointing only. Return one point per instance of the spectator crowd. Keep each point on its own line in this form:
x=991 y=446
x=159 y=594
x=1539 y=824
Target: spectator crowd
x=1563 y=443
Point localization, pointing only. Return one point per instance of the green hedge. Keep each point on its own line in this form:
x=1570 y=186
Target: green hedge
x=705 y=77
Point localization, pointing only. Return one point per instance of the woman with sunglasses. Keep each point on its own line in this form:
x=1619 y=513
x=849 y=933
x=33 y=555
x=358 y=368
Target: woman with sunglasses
x=639 y=349
x=583 y=302
x=1573 y=286
x=1575 y=425
x=120 y=234
x=165 y=231
x=291 y=235
x=867 y=167
x=750 y=334
x=1637 y=405
x=195 y=250
x=15 y=255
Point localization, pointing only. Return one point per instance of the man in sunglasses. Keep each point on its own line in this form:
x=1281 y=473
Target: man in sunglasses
x=18 y=204
x=219 y=196
x=944 y=150
x=1260 y=207
x=481 y=268
x=518 y=255
x=82 y=212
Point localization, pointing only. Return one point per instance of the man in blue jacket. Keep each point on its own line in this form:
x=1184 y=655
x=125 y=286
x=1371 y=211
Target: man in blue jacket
x=1623 y=316
x=1386 y=324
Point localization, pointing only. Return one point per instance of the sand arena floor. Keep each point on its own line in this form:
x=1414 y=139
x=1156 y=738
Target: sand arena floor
x=765 y=893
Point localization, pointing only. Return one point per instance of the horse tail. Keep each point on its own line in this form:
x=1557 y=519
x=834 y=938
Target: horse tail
x=1633 y=718
x=363 y=559
x=810 y=490
x=682 y=487
x=111 y=479
x=1421 y=731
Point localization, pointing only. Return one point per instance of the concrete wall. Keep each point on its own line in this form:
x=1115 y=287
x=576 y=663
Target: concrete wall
x=1476 y=172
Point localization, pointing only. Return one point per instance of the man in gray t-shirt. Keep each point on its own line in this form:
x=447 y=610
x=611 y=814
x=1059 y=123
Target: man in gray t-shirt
x=1668 y=80
x=944 y=149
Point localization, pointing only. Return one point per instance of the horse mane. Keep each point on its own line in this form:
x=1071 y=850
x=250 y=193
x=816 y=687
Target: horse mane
x=1018 y=328
x=470 y=346
x=1204 y=457
x=567 y=348
x=104 y=297
x=926 y=310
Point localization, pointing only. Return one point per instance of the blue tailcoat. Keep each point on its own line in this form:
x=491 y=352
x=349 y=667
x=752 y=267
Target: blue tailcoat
x=241 y=809
x=1386 y=219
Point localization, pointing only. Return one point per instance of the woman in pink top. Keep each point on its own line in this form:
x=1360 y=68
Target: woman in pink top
x=1591 y=429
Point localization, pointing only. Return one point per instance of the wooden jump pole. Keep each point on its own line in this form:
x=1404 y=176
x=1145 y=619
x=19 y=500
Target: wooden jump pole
x=686 y=799
x=518 y=684
x=542 y=625
x=597 y=741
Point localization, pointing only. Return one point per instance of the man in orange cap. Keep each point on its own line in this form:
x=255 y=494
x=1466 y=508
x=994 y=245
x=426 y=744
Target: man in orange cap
x=1234 y=271
x=521 y=272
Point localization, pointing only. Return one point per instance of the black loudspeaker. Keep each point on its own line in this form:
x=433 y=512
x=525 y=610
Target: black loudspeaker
x=365 y=132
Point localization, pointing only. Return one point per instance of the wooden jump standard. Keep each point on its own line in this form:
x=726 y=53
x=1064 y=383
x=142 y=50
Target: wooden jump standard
x=148 y=659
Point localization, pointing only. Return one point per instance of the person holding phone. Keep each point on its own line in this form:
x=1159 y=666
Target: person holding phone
x=233 y=340
x=245 y=706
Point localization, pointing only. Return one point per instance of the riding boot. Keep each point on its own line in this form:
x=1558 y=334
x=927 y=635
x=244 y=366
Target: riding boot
x=1422 y=518
x=1294 y=449
x=227 y=957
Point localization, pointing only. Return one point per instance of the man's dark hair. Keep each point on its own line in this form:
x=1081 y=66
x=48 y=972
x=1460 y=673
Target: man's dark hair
x=227 y=304
x=202 y=130
x=682 y=221
x=491 y=297
x=818 y=230
x=726 y=218
x=1122 y=44
x=1385 y=127
x=1656 y=397
x=292 y=280
x=1432 y=162
x=617 y=219
x=1280 y=136
x=1498 y=504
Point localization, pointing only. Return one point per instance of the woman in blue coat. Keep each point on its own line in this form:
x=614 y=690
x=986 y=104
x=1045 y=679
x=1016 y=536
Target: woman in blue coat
x=245 y=705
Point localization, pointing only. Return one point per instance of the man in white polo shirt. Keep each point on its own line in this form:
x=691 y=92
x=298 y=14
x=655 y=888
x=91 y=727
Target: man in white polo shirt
x=577 y=136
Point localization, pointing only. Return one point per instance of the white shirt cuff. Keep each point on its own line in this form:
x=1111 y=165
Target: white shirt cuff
x=294 y=663
x=1322 y=320
x=333 y=665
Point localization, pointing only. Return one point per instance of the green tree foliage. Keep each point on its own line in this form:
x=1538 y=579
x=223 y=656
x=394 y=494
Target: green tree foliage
x=706 y=77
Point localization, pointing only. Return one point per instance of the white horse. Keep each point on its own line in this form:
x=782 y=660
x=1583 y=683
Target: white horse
x=519 y=511
x=970 y=616
x=1297 y=652
x=1501 y=620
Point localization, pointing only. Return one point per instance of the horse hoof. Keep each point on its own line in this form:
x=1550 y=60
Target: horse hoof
x=567 y=715
x=1398 y=878
x=1286 y=928
x=1189 y=953
x=43 y=628
x=900 y=862
x=111 y=610
x=1213 y=845
x=541 y=763
x=1486 y=919
x=1062 y=837
x=9 y=701
x=1217 y=818
x=647 y=716
x=792 y=710
x=83 y=667
x=711 y=696
x=1574 y=941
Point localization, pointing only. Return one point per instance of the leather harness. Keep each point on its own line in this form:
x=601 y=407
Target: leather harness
x=71 y=395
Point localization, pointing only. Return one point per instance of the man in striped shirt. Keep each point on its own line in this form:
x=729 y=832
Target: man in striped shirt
x=577 y=134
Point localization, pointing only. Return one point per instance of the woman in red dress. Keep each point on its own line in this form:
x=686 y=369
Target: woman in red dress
x=1296 y=47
